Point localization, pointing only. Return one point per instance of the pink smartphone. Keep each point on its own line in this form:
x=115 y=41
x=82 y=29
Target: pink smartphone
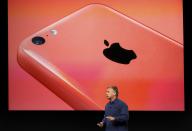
x=97 y=46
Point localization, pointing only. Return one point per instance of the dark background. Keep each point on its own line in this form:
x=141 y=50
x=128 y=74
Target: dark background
x=86 y=120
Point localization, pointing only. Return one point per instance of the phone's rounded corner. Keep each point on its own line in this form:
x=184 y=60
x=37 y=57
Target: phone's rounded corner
x=21 y=52
x=97 y=6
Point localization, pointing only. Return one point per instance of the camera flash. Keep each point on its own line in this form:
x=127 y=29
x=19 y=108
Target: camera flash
x=54 y=32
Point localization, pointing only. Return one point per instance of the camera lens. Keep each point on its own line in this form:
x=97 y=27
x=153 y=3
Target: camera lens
x=38 y=40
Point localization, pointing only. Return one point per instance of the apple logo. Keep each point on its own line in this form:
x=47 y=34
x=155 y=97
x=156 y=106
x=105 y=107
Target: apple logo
x=118 y=54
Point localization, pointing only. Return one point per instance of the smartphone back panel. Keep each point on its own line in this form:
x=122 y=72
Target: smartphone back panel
x=72 y=63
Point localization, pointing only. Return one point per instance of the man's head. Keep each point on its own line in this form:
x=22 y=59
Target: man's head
x=112 y=92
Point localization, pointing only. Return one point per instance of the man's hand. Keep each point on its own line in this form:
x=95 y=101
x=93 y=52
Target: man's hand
x=111 y=118
x=100 y=124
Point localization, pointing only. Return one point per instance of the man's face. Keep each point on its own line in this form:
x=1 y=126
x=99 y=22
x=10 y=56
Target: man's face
x=110 y=93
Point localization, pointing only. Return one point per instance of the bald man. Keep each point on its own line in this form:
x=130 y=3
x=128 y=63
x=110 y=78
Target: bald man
x=116 y=112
